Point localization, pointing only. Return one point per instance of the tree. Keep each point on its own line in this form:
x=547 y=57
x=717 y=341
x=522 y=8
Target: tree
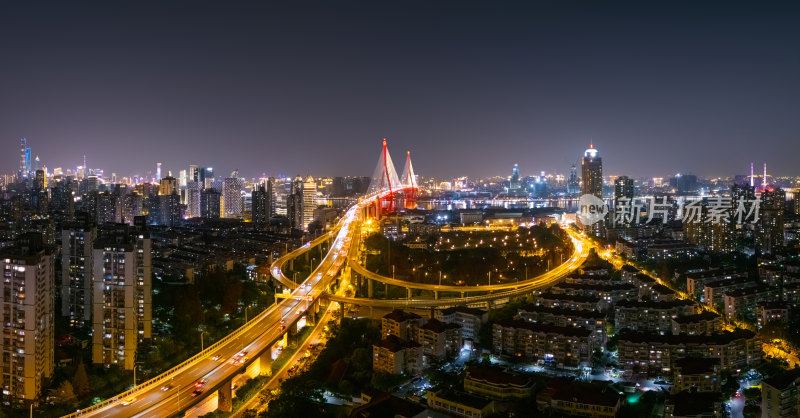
x=64 y=394
x=80 y=380
x=751 y=411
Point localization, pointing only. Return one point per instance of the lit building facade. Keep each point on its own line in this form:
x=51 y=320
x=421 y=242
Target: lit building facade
x=27 y=336
x=122 y=291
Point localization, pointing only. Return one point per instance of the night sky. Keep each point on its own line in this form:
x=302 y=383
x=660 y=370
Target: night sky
x=470 y=88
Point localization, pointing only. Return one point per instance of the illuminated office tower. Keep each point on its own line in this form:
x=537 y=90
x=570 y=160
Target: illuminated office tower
x=158 y=171
x=121 y=296
x=514 y=183
x=294 y=204
x=25 y=159
x=272 y=196
x=206 y=177
x=592 y=172
x=309 y=200
x=232 y=197
x=182 y=178
x=282 y=189
x=27 y=300
x=77 y=239
x=193 y=174
x=592 y=184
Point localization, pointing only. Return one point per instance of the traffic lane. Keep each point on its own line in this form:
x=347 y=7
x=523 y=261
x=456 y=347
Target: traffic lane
x=154 y=395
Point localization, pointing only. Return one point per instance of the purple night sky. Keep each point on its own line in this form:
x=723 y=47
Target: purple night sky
x=469 y=88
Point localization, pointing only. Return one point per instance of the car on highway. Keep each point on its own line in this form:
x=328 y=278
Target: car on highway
x=199 y=386
x=239 y=357
x=129 y=401
x=216 y=358
x=166 y=387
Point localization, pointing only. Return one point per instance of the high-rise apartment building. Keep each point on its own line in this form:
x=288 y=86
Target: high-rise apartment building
x=170 y=210
x=309 y=200
x=770 y=227
x=122 y=292
x=167 y=186
x=210 y=203
x=27 y=338
x=623 y=188
x=193 y=190
x=77 y=240
x=294 y=204
x=131 y=207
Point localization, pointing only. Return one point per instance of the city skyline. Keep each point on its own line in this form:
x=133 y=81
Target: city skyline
x=155 y=175
x=183 y=85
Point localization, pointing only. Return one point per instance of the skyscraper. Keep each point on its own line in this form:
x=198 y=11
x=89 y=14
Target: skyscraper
x=294 y=204
x=770 y=234
x=592 y=172
x=167 y=186
x=309 y=200
x=158 y=171
x=514 y=183
x=262 y=205
x=210 y=202
x=232 y=197
x=573 y=185
x=592 y=184
x=27 y=339
x=40 y=180
x=170 y=211
x=25 y=159
x=623 y=191
x=623 y=188
x=107 y=208
x=121 y=297
x=283 y=187
x=193 y=190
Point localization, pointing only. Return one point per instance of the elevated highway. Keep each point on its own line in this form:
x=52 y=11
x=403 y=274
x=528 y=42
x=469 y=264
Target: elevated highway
x=175 y=390
x=496 y=292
